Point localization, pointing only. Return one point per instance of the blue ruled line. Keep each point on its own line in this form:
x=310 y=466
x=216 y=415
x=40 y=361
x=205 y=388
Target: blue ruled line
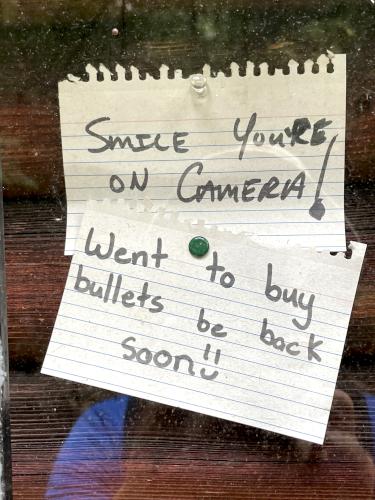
x=153 y=337
x=149 y=379
x=201 y=159
x=196 y=335
x=216 y=381
x=206 y=172
x=229 y=210
x=216 y=297
x=70 y=200
x=188 y=146
x=225 y=341
x=208 y=281
x=259 y=223
x=171 y=186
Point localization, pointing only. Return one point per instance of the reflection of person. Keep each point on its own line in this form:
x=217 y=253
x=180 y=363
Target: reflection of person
x=91 y=463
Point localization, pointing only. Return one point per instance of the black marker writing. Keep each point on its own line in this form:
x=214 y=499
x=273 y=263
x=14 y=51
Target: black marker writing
x=136 y=143
x=161 y=359
x=311 y=354
x=117 y=185
x=317 y=210
x=271 y=188
x=203 y=325
x=244 y=137
x=275 y=293
x=119 y=254
x=268 y=337
x=299 y=300
x=107 y=292
x=164 y=359
x=318 y=136
x=299 y=127
x=296 y=134
x=206 y=354
x=227 y=279
x=216 y=331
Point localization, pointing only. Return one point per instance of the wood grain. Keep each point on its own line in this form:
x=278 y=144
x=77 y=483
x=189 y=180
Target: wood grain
x=176 y=454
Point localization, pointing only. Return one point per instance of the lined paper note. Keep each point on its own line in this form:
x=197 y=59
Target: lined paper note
x=245 y=333
x=261 y=154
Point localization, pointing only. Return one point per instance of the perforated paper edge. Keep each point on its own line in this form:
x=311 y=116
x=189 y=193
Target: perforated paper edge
x=324 y=64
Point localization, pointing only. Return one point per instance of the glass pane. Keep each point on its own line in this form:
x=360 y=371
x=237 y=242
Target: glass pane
x=75 y=441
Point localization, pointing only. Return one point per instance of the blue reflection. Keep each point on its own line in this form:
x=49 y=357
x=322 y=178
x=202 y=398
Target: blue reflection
x=89 y=463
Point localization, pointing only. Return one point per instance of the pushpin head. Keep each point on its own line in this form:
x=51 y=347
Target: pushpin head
x=199 y=84
x=198 y=246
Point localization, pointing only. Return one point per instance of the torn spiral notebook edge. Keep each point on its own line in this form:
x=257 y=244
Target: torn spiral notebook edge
x=324 y=64
x=144 y=212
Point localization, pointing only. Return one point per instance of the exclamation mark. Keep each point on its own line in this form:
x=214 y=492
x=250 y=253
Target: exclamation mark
x=215 y=373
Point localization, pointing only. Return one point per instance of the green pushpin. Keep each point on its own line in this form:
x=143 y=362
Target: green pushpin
x=198 y=246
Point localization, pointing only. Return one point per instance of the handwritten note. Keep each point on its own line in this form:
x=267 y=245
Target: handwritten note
x=261 y=154
x=245 y=333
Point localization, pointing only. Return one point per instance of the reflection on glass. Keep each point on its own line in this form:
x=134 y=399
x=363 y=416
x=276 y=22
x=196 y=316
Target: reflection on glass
x=92 y=462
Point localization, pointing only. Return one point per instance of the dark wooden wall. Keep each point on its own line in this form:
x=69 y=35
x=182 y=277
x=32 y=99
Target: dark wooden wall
x=41 y=42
